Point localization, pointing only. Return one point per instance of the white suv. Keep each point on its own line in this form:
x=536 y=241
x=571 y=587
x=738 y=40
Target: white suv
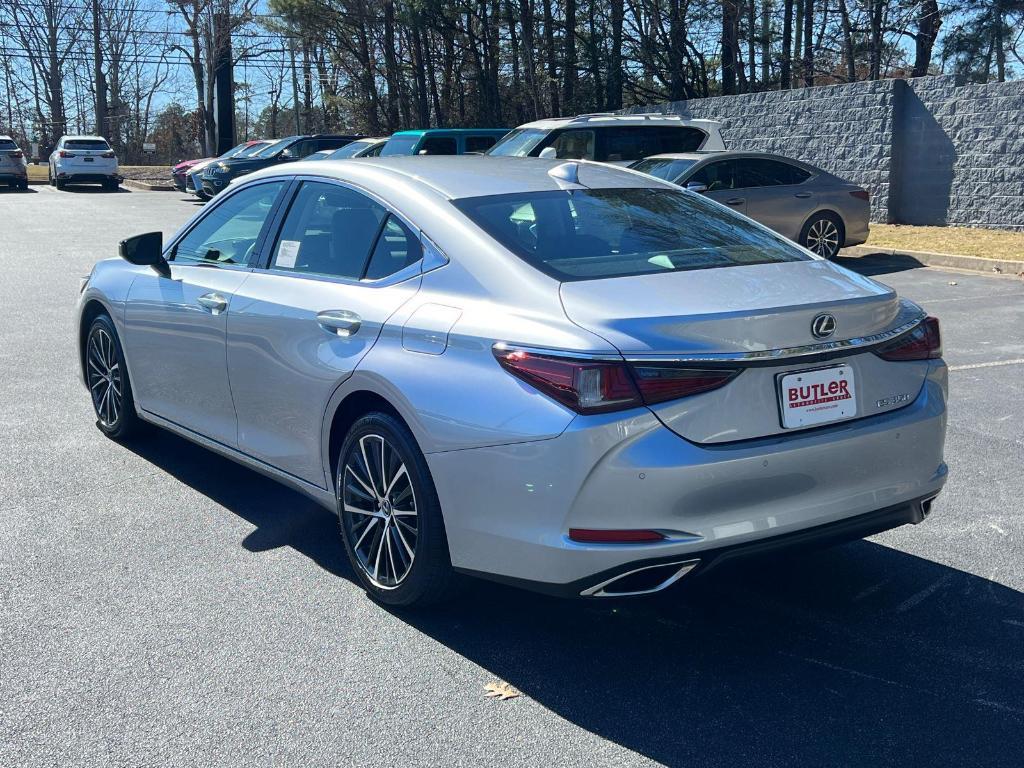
x=13 y=169
x=609 y=137
x=78 y=159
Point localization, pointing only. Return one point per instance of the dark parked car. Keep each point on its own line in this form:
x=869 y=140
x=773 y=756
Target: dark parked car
x=218 y=175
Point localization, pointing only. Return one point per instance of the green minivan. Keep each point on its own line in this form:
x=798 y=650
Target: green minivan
x=442 y=141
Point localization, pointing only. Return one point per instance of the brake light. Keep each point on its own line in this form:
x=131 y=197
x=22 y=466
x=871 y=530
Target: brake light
x=606 y=536
x=922 y=343
x=108 y=155
x=17 y=154
x=595 y=386
x=861 y=194
x=65 y=153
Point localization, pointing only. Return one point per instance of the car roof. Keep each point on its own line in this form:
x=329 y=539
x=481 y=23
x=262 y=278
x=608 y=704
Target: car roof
x=603 y=119
x=720 y=154
x=83 y=136
x=460 y=176
x=5 y=136
x=457 y=131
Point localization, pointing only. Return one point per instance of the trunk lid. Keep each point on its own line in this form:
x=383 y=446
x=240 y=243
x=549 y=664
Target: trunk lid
x=744 y=309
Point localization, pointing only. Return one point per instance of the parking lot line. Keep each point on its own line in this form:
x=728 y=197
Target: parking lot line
x=993 y=364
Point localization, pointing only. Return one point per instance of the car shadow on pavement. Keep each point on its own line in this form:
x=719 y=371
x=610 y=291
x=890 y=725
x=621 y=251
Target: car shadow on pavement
x=881 y=263
x=856 y=655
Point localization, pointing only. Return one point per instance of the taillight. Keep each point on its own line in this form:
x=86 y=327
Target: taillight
x=65 y=153
x=861 y=194
x=594 y=386
x=922 y=343
x=17 y=154
x=108 y=155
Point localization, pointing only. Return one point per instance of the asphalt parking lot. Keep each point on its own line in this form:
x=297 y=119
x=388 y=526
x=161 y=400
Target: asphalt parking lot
x=160 y=605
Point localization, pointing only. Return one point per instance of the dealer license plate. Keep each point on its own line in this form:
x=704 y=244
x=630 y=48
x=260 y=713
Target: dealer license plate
x=818 y=396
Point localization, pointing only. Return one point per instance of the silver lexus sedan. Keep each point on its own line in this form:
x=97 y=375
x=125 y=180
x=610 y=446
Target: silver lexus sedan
x=562 y=375
x=810 y=206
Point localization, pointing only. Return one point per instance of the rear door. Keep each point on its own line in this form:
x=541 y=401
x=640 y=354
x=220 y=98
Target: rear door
x=775 y=193
x=174 y=327
x=338 y=269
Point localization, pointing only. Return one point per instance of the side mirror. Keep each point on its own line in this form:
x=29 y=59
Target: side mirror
x=696 y=186
x=549 y=153
x=146 y=251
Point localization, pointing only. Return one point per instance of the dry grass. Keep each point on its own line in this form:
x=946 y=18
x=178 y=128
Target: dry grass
x=141 y=172
x=961 y=241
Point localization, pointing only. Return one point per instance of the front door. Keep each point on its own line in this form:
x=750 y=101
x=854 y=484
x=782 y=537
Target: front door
x=175 y=327
x=339 y=269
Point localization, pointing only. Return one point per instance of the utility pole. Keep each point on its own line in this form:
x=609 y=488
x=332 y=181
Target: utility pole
x=295 y=85
x=101 y=81
x=224 y=80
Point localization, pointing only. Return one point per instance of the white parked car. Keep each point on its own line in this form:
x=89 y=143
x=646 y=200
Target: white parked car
x=609 y=138
x=13 y=169
x=84 y=160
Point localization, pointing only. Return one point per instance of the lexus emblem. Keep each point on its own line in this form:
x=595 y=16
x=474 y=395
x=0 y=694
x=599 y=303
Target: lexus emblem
x=823 y=326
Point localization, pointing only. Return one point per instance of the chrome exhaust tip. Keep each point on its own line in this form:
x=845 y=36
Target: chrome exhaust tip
x=642 y=581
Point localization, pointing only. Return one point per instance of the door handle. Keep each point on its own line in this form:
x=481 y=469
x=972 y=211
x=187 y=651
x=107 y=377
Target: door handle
x=213 y=302
x=802 y=195
x=736 y=201
x=339 y=321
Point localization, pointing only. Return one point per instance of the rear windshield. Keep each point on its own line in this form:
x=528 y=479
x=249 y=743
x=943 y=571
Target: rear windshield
x=349 y=150
x=7 y=144
x=589 y=234
x=400 y=145
x=663 y=167
x=518 y=143
x=86 y=144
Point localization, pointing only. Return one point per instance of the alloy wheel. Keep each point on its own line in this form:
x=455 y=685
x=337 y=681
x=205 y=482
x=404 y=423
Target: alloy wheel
x=379 y=510
x=823 y=238
x=106 y=380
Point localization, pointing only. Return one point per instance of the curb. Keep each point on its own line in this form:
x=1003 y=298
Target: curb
x=944 y=260
x=149 y=186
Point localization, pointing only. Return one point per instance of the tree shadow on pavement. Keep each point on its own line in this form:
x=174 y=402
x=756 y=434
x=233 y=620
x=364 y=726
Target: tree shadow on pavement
x=881 y=263
x=856 y=655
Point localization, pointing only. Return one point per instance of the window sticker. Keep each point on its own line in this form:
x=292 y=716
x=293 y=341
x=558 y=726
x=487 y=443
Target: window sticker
x=287 y=253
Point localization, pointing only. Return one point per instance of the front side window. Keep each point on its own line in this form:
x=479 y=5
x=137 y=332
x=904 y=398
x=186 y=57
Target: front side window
x=589 y=234
x=716 y=176
x=574 y=145
x=329 y=230
x=228 y=233
x=439 y=145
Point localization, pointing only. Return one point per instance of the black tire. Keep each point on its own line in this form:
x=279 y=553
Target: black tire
x=823 y=234
x=59 y=183
x=110 y=186
x=49 y=176
x=23 y=186
x=108 y=382
x=202 y=195
x=384 y=529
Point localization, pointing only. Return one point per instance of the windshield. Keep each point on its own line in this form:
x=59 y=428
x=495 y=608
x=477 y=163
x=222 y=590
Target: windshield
x=235 y=150
x=664 y=167
x=588 y=234
x=349 y=150
x=518 y=143
x=272 y=148
x=251 y=151
x=400 y=145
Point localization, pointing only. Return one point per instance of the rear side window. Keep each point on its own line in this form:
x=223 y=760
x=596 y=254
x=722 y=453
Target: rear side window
x=329 y=230
x=574 y=145
x=634 y=142
x=330 y=143
x=589 y=234
x=86 y=144
x=479 y=143
x=228 y=233
x=439 y=145
x=762 y=172
x=397 y=248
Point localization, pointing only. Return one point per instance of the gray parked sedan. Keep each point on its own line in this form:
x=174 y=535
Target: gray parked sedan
x=806 y=204
x=563 y=375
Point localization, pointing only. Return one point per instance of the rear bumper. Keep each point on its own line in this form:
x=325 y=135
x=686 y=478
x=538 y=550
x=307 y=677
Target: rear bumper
x=85 y=178
x=634 y=473
x=13 y=175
